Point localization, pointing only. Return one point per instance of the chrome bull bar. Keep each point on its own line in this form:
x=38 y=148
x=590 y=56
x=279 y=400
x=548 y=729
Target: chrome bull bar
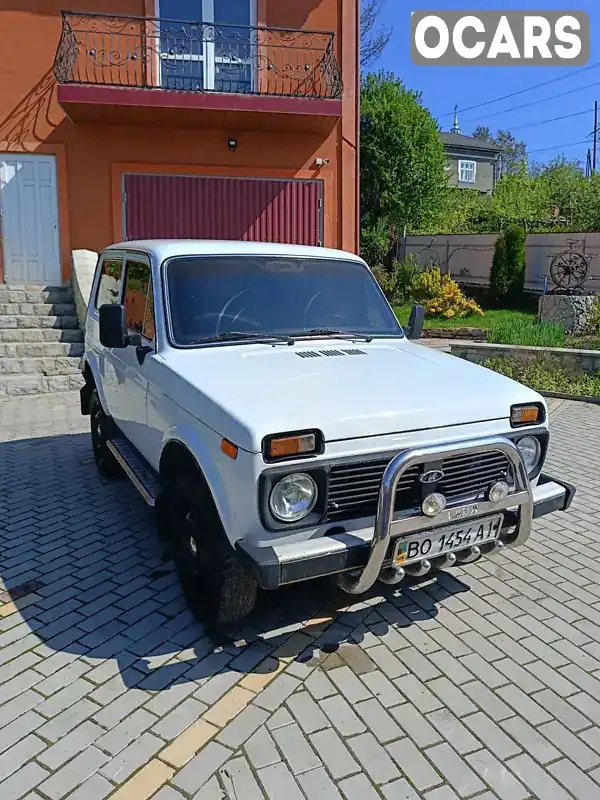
x=522 y=498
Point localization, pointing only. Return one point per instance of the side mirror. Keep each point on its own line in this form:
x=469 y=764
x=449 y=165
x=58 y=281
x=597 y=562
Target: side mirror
x=415 y=323
x=113 y=326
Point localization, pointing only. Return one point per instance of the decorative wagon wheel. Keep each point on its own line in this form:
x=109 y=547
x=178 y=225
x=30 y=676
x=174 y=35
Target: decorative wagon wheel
x=569 y=269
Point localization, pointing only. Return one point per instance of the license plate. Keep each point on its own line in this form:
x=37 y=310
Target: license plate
x=447 y=539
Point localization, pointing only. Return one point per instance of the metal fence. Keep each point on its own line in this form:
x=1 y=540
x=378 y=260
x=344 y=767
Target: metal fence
x=178 y=55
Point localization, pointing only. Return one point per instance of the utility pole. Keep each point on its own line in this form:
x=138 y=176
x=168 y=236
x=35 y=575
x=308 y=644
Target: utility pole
x=595 y=137
x=588 y=164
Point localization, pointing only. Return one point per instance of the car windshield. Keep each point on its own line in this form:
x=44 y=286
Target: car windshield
x=273 y=296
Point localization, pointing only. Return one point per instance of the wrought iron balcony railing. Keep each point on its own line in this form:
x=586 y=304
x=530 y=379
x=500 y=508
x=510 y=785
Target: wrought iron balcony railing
x=175 y=55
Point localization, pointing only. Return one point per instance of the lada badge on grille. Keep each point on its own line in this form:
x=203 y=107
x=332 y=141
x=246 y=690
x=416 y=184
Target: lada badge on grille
x=461 y=513
x=433 y=476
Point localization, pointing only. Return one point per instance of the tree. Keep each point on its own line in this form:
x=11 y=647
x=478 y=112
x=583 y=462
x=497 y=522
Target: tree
x=541 y=197
x=517 y=201
x=403 y=176
x=587 y=211
x=513 y=151
x=507 y=275
x=515 y=255
x=483 y=132
x=562 y=183
x=373 y=39
x=499 y=272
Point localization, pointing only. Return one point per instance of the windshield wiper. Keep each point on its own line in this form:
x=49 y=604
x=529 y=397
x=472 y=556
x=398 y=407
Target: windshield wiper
x=339 y=334
x=241 y=336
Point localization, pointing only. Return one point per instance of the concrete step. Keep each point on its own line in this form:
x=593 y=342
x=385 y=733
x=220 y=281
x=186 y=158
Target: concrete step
x=37 y=309
x=35 y=295
x=41 y=349
x=41 y=343
x=18 y=385
x=18 y=335
x=38 y=321
x=46 y=365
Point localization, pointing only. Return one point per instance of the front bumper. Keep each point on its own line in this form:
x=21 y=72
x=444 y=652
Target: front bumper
x=369 y=550
x=550 y=495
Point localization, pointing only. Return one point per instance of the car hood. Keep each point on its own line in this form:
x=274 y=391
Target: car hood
x=345 y=389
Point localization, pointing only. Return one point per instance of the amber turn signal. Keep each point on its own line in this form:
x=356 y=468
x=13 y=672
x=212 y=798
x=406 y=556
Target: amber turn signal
x=229 y=448
x=292 y=445
x=525 y=415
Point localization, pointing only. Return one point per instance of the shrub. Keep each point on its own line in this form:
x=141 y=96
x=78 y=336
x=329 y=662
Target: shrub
x=546 y=374
x=406 y=274
x=387 y=282
x=517 y=331
x=441 y=296
x=583 y=342
x=514 y=244
x=398 y=281
x=594 y=321
x=498 y=271
x=376 y=243
x=507 y=275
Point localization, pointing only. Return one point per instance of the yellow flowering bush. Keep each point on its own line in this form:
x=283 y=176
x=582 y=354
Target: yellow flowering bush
x=441 y=296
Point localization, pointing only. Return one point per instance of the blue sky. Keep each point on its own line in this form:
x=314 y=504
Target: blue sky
x=442 y=87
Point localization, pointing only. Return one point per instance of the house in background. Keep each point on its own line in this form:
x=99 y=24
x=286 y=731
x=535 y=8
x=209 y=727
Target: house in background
x=174 y=118
x=473 y=163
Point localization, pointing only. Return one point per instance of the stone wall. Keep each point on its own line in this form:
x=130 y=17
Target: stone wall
x=573 y=312
x=586 y=360
x=83 y=264
x=475 y=334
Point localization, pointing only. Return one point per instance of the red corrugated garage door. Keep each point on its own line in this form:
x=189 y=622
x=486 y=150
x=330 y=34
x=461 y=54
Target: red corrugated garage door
x=199 y=207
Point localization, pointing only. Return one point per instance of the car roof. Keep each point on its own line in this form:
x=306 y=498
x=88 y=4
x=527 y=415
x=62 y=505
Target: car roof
x=168 y=248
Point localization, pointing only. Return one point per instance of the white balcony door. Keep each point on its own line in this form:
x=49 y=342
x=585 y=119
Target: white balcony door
x=29 y=219
x=205 y=58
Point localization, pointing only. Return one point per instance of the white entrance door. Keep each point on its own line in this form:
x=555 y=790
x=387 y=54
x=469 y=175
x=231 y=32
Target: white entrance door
x=29 y=219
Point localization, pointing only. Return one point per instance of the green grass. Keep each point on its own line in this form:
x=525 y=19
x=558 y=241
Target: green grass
x=528 y=334
x=491 y=319
x=545 y=374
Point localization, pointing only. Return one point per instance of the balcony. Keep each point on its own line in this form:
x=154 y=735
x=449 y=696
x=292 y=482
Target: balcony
x=150 y=70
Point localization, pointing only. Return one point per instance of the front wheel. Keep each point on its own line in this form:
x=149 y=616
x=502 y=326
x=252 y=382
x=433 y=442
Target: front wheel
x=218 y=588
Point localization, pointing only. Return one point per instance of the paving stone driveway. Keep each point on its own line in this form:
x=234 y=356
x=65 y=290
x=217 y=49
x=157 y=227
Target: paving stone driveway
x=484 y=683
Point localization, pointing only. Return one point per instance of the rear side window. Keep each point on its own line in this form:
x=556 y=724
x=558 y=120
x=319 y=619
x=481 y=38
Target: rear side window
x=138 y=301
x=109 y=286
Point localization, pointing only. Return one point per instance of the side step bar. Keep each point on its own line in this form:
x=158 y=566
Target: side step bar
x=136 y=468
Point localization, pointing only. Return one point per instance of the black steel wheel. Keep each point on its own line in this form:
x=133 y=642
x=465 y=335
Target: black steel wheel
x=218 y=587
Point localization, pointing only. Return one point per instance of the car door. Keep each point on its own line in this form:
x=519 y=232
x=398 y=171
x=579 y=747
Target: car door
x=107 y=291
x=138 y=300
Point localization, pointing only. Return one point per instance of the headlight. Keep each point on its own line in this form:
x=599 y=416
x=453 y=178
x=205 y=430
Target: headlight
x=293 y=497
x=531 y=451
x=526 y=415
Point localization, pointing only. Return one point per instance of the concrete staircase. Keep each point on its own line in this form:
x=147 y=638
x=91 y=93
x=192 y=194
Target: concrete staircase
x=41 y=342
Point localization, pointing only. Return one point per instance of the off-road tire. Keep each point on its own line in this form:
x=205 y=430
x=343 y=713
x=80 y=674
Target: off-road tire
x=107 y=465
x=218 y=588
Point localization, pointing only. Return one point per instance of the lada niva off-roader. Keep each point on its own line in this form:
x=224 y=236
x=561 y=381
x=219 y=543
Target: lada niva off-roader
x=266 y=400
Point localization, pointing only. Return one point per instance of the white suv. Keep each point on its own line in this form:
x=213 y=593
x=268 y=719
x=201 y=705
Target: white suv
x=265 y=399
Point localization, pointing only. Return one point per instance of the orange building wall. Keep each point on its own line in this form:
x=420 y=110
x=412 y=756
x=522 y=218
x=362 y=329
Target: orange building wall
x=91 y=156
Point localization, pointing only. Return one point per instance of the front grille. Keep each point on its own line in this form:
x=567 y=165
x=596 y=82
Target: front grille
x=354 y=487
